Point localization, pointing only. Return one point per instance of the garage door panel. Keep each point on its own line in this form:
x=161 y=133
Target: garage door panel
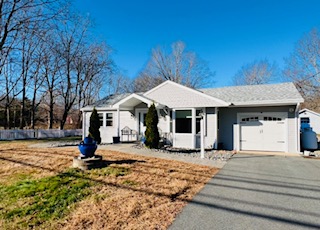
x=274 y=136
x=250 y=135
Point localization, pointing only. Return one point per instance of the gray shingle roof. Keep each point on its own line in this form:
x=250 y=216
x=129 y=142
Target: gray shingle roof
x=256 y=94
x=107 y=101
x=237 y=95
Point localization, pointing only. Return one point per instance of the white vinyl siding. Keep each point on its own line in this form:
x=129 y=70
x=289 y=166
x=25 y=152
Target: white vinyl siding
x=108 y=132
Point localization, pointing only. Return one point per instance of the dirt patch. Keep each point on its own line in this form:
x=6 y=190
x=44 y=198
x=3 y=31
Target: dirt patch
x=148 y=196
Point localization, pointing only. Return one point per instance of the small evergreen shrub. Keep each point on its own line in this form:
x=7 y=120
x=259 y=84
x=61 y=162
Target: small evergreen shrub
x=152 y=132
x=94 y=127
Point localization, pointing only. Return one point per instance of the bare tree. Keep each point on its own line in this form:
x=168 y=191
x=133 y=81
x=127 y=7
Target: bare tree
x=90 y=68
x=17 y=16
x=178 y=65
x=9 y=90
x=256 y=73
x=303 y=68
x=51 y=63
x=55 y=62
x=36 y=81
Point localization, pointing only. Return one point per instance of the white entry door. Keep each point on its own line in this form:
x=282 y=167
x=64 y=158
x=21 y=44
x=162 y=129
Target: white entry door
x=142 y=122
x=263 y=132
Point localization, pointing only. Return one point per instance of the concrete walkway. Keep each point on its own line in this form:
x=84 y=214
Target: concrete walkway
x=127 y=148
x=257 y=192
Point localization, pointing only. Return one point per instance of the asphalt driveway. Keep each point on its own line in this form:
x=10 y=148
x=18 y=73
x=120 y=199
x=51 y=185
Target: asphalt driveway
x=258 y=192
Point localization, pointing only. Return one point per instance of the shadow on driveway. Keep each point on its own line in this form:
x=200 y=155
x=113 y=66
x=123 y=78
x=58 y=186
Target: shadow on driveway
x=257 y=192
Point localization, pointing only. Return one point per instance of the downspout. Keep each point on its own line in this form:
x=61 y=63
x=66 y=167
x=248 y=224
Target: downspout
x=118 y=121
x=298 y=127
x=84 y=121
x=193 y=129
x=216 y=128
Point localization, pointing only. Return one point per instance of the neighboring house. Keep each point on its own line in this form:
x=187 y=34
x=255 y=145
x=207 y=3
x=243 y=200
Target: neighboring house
x=258 y=118
x=310 y=117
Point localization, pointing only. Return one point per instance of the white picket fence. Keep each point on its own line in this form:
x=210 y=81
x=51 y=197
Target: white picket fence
x=20 y=134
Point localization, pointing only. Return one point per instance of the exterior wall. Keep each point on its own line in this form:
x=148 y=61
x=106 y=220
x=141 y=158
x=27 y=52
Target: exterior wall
x=127 y=118
x=314 y=120
x=183 y=140
x=164 y=119
x=164 y=126
x=108 y=132
x=228 y=121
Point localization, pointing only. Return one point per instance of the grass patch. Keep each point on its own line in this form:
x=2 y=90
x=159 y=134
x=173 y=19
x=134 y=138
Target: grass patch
x=42 y=200
x=39 y=191
x=111 y=171
x=130 y=183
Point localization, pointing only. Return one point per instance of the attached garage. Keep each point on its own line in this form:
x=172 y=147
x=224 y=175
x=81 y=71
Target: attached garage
x=263 y=132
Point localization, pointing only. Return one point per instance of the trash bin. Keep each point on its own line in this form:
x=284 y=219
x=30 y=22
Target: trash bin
x=116 y=140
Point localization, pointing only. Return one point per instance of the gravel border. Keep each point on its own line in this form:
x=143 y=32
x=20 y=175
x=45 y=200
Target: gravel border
x=215 y=155
x=222 y=155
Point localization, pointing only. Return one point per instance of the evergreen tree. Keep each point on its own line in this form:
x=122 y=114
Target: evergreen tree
x=94 y=131
x=152 y=132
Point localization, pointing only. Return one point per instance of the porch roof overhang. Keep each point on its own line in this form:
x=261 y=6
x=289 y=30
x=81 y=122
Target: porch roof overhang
x=133 y=100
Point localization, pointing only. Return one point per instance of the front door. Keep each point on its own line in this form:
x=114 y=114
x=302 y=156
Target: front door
x=142 y=122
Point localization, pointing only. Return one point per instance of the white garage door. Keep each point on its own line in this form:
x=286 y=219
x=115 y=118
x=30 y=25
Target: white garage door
x=263 y=132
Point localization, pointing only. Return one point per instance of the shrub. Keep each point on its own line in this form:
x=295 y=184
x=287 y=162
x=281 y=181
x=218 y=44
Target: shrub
x=152 y=132
x=94 y=131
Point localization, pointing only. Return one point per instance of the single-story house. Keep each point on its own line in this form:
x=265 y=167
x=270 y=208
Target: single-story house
x=310 y=117
x=255 y=117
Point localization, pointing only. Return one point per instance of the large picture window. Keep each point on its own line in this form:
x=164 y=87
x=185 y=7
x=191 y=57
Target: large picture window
x=183 y=121
x=109 y=119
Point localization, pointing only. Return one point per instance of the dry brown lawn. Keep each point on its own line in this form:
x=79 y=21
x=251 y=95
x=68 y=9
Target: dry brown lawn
x=149 y=197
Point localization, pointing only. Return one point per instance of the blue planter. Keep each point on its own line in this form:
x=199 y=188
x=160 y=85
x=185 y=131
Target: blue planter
x=87 y=147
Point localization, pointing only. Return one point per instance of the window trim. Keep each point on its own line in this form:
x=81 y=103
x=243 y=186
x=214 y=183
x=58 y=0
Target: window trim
x=109 y=119
x=193 y=116
x=189 y=117
x=101 y=119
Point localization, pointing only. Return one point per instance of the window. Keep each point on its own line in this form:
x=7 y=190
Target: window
x=272 y=119
x=100 y=118
x=109 y=119
x=250 y=119
x=183 y=121
x=305 y=120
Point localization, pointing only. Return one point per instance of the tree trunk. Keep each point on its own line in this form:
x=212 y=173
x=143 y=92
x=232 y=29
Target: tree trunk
x=50 y=120
x=8 y=125
x=64 y=119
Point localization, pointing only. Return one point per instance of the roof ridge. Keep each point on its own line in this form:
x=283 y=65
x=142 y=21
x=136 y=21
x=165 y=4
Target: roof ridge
x=243 y=86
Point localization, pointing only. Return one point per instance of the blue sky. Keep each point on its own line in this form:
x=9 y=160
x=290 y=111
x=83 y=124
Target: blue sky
x=227 y=34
